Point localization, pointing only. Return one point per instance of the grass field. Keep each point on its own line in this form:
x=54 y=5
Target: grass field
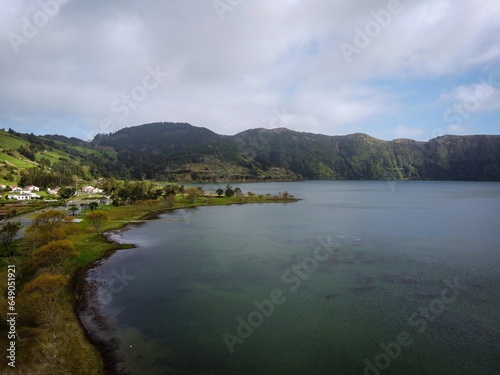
x=15 y=161
x=10 y=142
x=53 y=155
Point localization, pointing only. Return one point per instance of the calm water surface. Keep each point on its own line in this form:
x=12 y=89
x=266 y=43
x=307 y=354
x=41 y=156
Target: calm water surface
x=327 y=285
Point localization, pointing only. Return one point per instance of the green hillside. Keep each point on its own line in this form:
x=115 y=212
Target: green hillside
x=182 y=152
x=172 y=151
x=359 y=156
x=51 y=160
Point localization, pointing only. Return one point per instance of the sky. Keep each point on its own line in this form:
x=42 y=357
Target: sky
x=391 y=69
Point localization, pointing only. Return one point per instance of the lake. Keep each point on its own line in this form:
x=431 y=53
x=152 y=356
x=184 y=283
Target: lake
x=359 y=277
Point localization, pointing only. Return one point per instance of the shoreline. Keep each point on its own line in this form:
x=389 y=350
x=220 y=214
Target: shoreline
x=87 y=304
x=85 y=292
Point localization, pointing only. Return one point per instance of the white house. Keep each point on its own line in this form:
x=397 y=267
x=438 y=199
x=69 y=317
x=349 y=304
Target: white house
x=32 y=188
x=91 y=190
x=15 y=188
x=20 y=197
x=53 y=191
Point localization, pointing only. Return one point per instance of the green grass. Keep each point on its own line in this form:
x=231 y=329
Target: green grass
x=10 y=141
x=19 y=163
x=89 y=151
x=52 y=156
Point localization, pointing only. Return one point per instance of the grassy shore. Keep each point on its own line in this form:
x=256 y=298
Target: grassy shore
x=73 y=353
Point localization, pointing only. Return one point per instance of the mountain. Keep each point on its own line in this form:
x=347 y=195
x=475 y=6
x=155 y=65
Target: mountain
x=182 y=152
x=169 y=151
x=179 y=151
x=359 y=156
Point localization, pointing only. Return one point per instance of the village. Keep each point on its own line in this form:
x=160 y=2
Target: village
x=30 y=192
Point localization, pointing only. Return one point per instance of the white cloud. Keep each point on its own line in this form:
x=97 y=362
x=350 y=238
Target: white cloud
x=232 y=75
x=478 y=97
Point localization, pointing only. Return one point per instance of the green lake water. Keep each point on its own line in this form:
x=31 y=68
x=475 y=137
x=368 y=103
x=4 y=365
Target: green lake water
x=357 y=278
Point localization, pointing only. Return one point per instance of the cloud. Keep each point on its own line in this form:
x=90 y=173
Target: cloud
x=234 y=74
x=478 y=97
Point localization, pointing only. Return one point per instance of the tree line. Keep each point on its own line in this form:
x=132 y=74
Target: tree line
x=44 y=264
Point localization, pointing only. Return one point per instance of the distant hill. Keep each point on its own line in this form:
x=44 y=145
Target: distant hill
x=182 y=152
x=359 y=156
x=178 y=151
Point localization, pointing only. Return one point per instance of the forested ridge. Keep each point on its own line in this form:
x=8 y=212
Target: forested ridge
x=182 y=152
x=168 y=150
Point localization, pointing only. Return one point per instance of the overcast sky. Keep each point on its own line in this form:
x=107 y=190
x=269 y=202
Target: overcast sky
x=391 y=69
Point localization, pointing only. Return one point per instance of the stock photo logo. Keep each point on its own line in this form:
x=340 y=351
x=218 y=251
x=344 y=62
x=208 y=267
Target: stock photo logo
x=115 y=285
x=32 y=25
x=264 y=309
x=363 y=37
x=223 y=6
x=122 y=106
x=281 y=118
x=473 y=99
x=419 y=320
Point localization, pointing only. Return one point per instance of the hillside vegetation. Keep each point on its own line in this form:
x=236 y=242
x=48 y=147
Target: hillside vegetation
x=182 y=152
x=27 y=159
x=169 y=151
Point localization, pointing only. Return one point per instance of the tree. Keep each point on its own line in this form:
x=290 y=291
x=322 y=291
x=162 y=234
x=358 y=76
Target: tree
x=239 y=194
x=219 y=192
x=47 y=227
x=170 y=190
x=134 y=191
x=93 y=206
x=229 y=191
x=193 y=193
x=7 y=235
x=73 y=209
x=97 y=218
x=67 y=192
x=109 y=185
x=170 y=201
x=54 y=256
x=42 y=295
x=43 y=292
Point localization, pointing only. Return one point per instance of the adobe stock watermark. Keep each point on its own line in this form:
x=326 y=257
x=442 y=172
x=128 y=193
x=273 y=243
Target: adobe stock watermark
x=124 y=104
x=280 y=119
x=223 y=6
x=372 y=29
x=392 y=351
x=188 y=213
x=115 y=285
x=263 y=310
x=31 y=26
x=483 y=91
